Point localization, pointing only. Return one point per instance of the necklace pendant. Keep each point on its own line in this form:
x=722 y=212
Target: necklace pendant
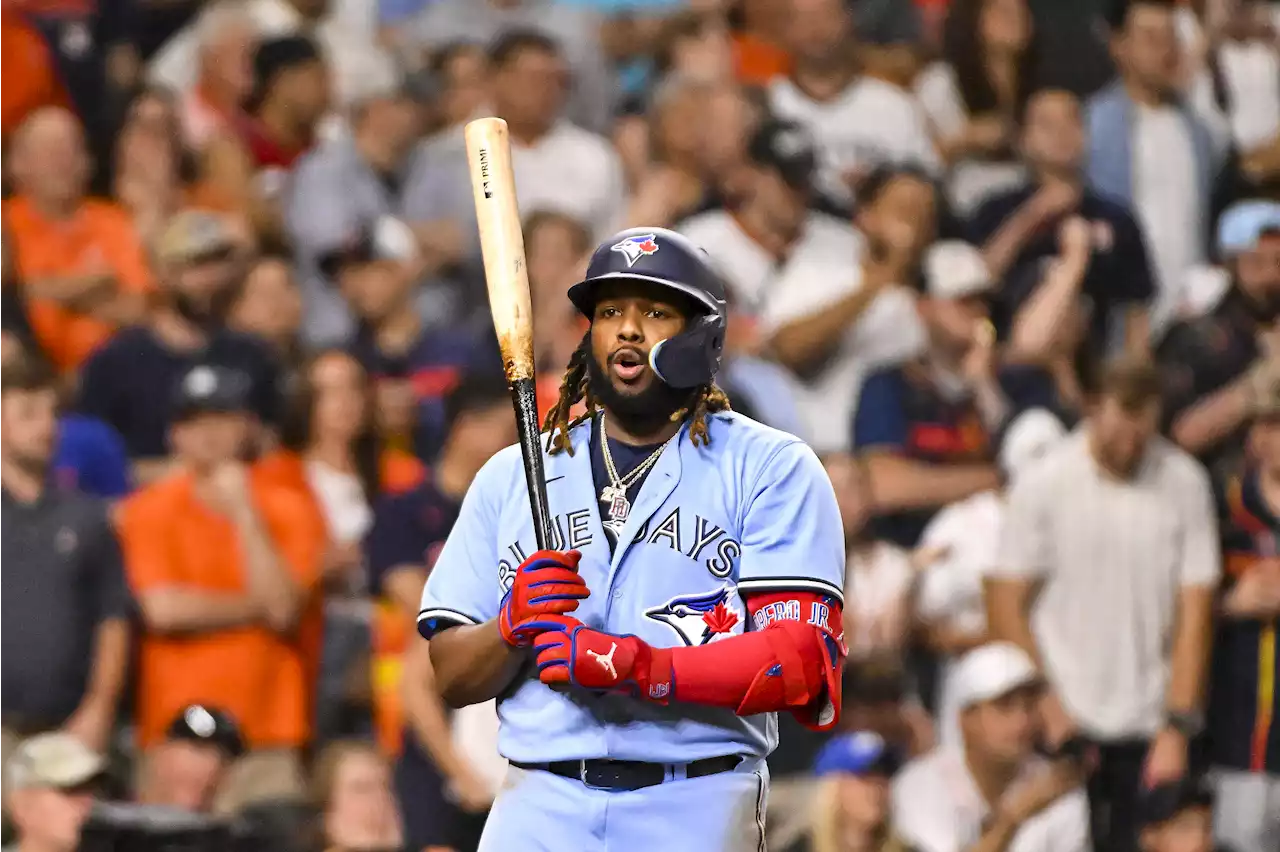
x=619 y=506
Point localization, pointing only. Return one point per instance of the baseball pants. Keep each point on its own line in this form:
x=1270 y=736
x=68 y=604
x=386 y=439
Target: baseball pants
x=540 y=812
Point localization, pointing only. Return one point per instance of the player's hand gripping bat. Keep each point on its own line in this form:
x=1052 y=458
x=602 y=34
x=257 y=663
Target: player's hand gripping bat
x=502 y=244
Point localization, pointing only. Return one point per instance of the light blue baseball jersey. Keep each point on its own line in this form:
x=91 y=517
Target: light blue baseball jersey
x=751 y=512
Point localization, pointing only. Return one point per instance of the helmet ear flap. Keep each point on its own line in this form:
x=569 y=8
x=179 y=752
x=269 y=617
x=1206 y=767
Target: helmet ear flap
x=691 y=358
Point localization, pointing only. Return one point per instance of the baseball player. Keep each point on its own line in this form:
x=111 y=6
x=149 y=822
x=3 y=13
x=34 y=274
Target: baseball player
x=694 y=588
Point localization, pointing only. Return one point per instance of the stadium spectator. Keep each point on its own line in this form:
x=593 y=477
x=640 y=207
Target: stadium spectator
x=555 y=246
x=924 y=429
x=31 y=81
x=758 y=57
x=223 y=566
x=268 y=305
x=1150 y=151
x=991 y=791
x=151 y=167
x=860 y=122
x=412 y=366
x=1219 y=364
x=974 y=95
x=345 y=182
x=225 y=36
x=461 y=70
x=51 y=785
x=1244 y=708
x=1119 y=523
x=66 y=606
x=442 y=794
x=960 y=547
x=334 y=460
x=833 y=326
x=187 y=769
x=82 y=267
x=850 y=807
x=246 y=170
x=1021 y=228
x=352 y=786
x=129 y=383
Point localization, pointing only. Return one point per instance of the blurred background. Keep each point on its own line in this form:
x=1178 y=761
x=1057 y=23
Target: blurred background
x=248 y=375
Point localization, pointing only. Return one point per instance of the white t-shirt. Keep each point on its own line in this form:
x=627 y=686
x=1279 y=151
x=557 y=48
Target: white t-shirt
x=868 y=124
x=1112 y=557
x=969 y=181
x=342 y=499
x=937 y=808
x=950 y=590
x=1167 y=200
x=876 y=582
x=571 y=171
x=822 y=268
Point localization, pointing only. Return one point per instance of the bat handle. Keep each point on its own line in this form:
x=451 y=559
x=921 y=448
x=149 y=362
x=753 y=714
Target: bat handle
x=525 y=400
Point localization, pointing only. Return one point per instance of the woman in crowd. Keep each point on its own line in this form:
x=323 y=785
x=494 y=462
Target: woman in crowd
x=352 y=787
x=975 y=94
x=850 y=807
x=331 y=452
x=152 y=168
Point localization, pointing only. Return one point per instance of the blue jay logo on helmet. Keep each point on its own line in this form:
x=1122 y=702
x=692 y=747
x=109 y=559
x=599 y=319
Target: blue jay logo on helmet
x=634 y=248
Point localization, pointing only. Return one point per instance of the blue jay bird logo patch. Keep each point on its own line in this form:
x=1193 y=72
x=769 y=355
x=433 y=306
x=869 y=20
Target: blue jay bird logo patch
x=634 y=248
x=698 y=619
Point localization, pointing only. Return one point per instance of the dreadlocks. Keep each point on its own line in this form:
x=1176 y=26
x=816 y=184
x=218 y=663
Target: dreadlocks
x=576 y=387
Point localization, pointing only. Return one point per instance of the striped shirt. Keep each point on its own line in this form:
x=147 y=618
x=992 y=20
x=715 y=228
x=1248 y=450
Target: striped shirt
x=1112 y=556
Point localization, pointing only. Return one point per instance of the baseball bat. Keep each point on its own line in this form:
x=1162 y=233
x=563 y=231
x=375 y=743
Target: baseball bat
x=506 y=275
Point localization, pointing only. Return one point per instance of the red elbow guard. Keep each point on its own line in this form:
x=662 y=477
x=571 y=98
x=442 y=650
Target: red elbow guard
x=791 y=664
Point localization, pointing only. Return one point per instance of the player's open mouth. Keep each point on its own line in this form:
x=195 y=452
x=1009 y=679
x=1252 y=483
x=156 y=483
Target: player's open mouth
x=628 y=364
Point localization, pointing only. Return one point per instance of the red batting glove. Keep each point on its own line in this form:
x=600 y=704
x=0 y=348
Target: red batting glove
x=546 y=583
x=570 y=652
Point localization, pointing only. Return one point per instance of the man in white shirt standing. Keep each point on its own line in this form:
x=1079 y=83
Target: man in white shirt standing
x=991 y=793
x=1109 y=565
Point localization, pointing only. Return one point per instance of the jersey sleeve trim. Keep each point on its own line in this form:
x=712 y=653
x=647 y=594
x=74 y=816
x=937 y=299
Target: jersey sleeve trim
x=757 y=585
x=433 y=620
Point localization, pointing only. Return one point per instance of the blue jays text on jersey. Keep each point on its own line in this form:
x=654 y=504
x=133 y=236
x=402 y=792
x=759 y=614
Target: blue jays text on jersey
x=752 y=512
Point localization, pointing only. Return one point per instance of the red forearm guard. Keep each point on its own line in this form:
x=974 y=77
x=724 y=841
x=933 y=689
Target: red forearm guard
x=791 y=661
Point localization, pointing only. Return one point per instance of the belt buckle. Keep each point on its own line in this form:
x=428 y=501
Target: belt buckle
x=582 y=773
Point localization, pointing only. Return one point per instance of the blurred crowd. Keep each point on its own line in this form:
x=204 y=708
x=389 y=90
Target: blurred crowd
x=1012 y=267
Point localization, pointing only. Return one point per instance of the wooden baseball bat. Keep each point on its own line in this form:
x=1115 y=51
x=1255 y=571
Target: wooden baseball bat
x=493 y=187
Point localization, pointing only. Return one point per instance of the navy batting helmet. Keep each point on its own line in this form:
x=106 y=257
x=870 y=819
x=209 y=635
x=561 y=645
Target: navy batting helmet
x=665 y=258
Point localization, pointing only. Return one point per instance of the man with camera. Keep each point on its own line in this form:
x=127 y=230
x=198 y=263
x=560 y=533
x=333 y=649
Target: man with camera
x=992 y=793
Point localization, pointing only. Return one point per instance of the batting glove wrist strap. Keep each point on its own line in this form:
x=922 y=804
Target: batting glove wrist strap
x=547 y=583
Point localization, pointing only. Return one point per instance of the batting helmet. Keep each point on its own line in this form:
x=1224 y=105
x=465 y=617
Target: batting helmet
x=665 y=258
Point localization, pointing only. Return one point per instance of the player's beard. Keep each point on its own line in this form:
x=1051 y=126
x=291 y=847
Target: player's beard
x=642 y=413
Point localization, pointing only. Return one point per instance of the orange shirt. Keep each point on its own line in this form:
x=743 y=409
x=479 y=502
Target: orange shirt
x=399 y=471
x=756 y=61
x=98 y=237
x=170 y=538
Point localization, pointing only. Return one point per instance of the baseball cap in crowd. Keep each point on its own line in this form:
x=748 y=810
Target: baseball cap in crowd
x=1243 y=224
x=857 y=753
x=56 y=760
x=1027 y=438
x=954 y=269
x=208 y=725
x=277 y=55
x=385 y=238
x=787 y=148
x=992 y=671
x=193 y=236
x=208 y=389
x=1163 y=802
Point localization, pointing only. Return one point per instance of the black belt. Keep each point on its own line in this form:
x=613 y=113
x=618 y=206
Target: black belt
x=631 y=774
